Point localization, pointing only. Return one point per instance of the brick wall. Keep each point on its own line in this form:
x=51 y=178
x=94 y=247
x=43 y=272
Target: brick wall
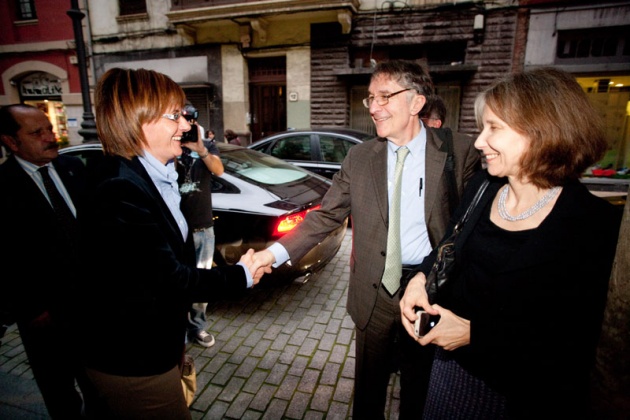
x=329 y=93
x=500 y=51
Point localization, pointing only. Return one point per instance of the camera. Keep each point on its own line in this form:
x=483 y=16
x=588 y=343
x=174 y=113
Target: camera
x=425 y=323
x=191 y=114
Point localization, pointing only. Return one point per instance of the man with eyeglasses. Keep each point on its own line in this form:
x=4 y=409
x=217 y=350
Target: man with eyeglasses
x=362 y=189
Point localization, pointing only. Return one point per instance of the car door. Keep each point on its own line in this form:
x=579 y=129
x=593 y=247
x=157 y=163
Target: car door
x=296 y=149
x=333 y=150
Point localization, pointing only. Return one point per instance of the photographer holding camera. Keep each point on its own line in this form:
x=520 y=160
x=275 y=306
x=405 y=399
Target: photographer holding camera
x=199 y=160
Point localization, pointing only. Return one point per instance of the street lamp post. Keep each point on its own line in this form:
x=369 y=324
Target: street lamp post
x=88 y=126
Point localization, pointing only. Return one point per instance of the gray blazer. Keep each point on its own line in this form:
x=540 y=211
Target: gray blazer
x=366 y=202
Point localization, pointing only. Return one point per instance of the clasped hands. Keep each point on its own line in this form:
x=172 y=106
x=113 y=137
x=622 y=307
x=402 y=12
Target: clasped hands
x=450 y=333
x=258 y=263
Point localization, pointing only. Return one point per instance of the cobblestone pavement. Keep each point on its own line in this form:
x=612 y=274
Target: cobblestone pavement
x=284 y=351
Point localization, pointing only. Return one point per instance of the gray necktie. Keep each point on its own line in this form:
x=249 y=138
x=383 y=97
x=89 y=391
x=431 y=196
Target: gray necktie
x=393 y=260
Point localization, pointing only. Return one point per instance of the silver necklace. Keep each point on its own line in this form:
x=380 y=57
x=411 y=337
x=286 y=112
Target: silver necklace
x=530 y=211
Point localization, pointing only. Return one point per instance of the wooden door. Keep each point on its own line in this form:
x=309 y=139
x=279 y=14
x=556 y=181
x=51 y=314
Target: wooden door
x=267 y=96
x=268 y=110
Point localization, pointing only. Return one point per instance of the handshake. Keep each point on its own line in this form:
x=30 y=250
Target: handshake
x=258 y=263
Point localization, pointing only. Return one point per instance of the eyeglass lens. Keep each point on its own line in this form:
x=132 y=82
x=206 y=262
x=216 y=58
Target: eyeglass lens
x=381 y=100
x=172 y=117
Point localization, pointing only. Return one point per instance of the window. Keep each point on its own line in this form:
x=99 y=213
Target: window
x=600 y=45
x=293 y=148
x=26 y=10
x=132 y=7
x=334 y=149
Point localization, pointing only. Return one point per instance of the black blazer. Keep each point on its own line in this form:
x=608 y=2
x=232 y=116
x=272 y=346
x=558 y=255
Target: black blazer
x=141 y=276
x=535 y=323
x=35 y=254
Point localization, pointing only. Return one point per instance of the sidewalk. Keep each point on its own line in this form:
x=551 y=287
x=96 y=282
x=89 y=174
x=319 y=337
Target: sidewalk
x=19 y=395
x=282 y=352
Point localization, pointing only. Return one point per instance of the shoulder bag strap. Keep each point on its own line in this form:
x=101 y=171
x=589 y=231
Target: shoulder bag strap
x=471 y=207
x=445 y=258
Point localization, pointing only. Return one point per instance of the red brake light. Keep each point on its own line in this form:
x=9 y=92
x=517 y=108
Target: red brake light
x=291 y=221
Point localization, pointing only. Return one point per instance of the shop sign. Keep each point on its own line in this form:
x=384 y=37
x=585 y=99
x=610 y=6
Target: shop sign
x=40 y=84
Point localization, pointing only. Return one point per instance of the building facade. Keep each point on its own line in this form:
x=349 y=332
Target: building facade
x=262 y=66
x=38 y=62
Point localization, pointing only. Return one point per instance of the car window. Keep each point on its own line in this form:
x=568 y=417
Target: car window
x=89 y=157
x=292 y=148
x=221 y=186
x=260 y=168
x=334 y=149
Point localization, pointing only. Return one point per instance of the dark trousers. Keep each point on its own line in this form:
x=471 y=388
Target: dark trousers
x=55 y=367
x=381 y=349
x=157 y=397
x=415 y=373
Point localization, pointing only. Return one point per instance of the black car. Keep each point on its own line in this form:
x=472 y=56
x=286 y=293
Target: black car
x=320 y=150
x=257 y=200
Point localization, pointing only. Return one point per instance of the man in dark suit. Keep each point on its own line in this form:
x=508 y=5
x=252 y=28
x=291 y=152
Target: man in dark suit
x=434 y=113
x=362 y=189
x=39 y=253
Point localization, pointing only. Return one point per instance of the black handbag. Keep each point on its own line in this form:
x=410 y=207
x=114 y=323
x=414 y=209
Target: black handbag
x=445 y=259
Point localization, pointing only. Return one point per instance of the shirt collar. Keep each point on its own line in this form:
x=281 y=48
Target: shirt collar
x=29 y=167
x=157 y=170
x=416 y=146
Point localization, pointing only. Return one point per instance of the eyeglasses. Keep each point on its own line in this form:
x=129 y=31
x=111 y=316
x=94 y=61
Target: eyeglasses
x=381 y=100
x=172 y=117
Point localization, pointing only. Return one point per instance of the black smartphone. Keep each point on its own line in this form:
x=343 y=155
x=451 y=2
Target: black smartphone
x=192 y=135
x=425 y=323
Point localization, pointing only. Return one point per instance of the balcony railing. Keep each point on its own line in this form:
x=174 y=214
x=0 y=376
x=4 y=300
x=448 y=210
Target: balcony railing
x=191 y=12
x=196 y=4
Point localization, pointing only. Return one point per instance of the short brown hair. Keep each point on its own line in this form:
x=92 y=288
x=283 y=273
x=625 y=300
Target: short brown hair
x=126 y=99
x=549 y=107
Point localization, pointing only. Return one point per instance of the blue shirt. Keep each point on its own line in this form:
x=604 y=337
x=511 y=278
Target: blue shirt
x=414 y=236
x=165 y=179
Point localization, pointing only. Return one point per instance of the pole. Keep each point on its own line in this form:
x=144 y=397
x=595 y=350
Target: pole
x=88 y=126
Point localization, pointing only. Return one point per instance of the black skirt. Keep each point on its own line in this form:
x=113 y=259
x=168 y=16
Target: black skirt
x=456 y=394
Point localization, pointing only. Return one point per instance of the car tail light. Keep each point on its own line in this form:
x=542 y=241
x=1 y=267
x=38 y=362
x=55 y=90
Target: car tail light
x=289 y=222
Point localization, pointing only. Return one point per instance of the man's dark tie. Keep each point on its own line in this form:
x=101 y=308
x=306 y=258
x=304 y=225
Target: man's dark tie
x=66 y=219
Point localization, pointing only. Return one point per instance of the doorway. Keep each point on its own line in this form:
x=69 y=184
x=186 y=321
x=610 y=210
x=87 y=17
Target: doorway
x=267 y=91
